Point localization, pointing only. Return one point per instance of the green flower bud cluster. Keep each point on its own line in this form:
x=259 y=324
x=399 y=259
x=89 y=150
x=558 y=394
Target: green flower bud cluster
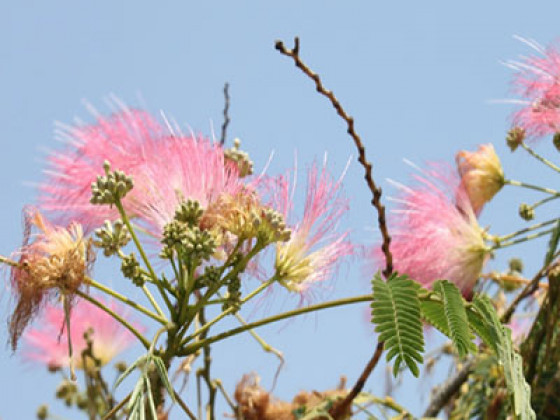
x=190 y=240
x=233 y=297
x=556 y=141
x=67 y=391
x=110 y=188
x=130 y=268
x=199 y=244
x=209 y=278
x=526 y=212
x=515 y=137
x=112 y=237
x=272 y=227
x=43 y=412
x=240 y=158
x=189 y=212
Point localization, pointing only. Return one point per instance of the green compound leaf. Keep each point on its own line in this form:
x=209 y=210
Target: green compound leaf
x=396 y=314
x=456 y=316
x=518 y=389
x=552 y=244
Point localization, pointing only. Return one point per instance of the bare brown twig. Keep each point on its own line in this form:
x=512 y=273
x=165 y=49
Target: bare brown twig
x=375 y=190
x=338 y=409
x=226 y=114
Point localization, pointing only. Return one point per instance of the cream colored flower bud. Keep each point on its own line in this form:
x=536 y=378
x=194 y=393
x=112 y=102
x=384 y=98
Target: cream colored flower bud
x=481 y=173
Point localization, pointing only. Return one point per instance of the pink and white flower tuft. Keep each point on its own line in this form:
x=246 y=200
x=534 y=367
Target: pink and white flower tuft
x=435 y=233
x=48 y=343
x=537 y=80
x=315 y=248
x=179 y=169
x=121 y=138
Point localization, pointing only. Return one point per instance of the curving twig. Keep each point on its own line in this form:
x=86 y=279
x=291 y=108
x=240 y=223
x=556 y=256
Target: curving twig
x=375 y=190
x=338 y=410
x=226 y=114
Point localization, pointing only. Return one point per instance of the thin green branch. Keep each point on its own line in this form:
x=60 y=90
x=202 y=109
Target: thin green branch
x=119 y=318
x=499 y=239
x=228 y=311
x=531 y=187
x=523 y=239
x=191 y=348
x=153 y=274
x=539 y=157
x=125 y=300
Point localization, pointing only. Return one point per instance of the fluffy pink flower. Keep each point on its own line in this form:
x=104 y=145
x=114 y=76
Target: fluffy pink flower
x=166 y=169
x=48 y=342
x=179 y=169
x=537 y=80
x=315 y=248
x=121 y=138
x=435 y=233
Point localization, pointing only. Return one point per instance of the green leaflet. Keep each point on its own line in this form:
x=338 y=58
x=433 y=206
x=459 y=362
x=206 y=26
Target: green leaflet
x=512 y=363
x=396 y=314
x=552 y=244
x=455 y=315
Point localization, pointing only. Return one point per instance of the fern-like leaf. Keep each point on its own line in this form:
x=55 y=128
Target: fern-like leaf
x=511 y=361
x=396 y=314
x=456 y=315
x=552 y=244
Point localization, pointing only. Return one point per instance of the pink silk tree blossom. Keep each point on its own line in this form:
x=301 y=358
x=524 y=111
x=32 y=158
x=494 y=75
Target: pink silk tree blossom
x=47 y=341
x=121 y=139
x=316 y=246
x=435 y=233
x=179 y=169
x=537 y=81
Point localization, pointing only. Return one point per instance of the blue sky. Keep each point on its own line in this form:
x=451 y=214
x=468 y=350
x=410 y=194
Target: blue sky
x=418 y=77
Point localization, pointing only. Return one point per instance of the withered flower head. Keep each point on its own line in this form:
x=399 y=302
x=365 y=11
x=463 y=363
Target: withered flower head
x=52 y=259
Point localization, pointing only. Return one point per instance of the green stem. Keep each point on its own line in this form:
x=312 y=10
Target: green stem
x=499 y=239
x=531 y=187
x=239 y=267
x=228 y=311
x=125 y=300
x=284 y=315
x=523 y=239
x=153 y=274
x=8 y=261
x=544 y=200
x=119 y=318
x=539 y=157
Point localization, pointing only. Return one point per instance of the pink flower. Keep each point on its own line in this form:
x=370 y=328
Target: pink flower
x=52 y=260
x=435 y=233
x=166 y=168
x=538 y=82
x=315 y=247
x=121 y=138
x=48 y=342
x=179 y=169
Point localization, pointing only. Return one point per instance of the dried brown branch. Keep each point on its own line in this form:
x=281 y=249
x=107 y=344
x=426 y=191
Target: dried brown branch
x=375 y=190
x=338 y=409
x=448 y=389
x=527 y=291
x=226 y=114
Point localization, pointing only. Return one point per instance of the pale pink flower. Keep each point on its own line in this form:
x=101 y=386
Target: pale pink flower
x=179 y=169
x=435 y=233
x=537 y=81
x=121 y=138
x=166 y=168
x=481 y=174
x=48 y=341
x=52 y=260
x=316 y=246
